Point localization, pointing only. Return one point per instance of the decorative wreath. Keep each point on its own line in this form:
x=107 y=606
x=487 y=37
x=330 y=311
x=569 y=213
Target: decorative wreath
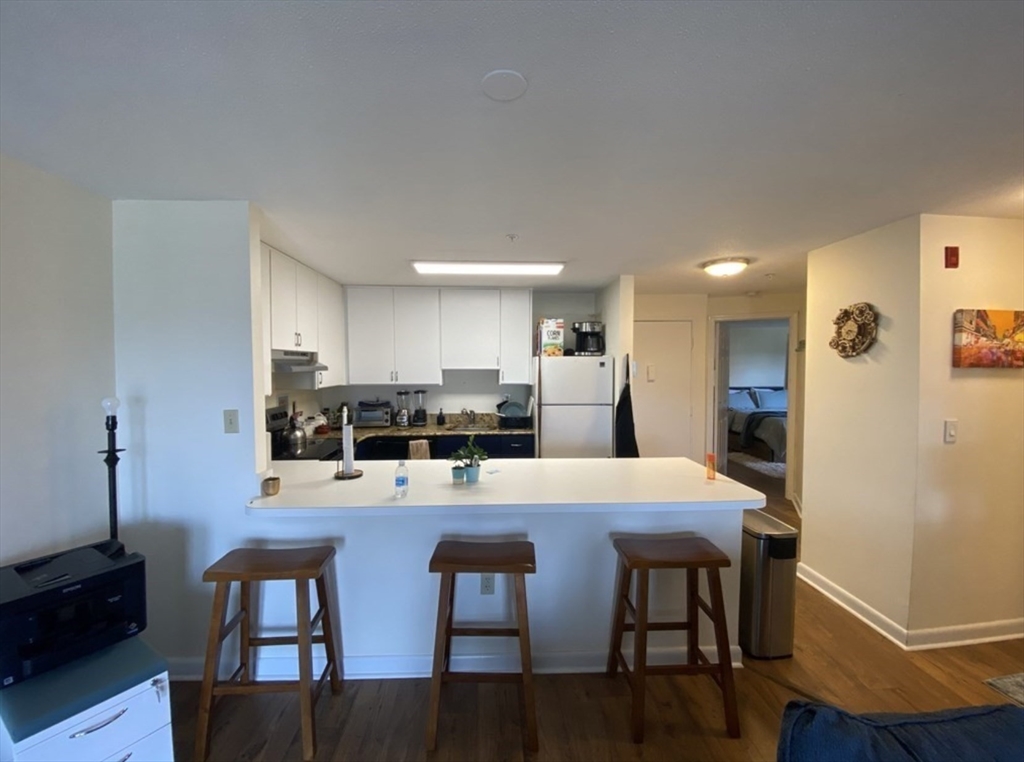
x=856 y=329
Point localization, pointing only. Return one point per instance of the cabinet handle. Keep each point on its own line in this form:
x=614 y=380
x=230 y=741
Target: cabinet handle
x=300 y=339
x=296 y=338
x=98 y=725
x=396 y=375
x=515 y=445
x=320 y=378
x=497 y=362
x=503 y=376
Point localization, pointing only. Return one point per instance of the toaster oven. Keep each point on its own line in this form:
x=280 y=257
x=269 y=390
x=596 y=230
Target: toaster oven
x=372 y=416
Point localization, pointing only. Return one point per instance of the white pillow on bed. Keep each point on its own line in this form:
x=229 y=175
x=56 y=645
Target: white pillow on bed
x=741 y=401
x=777 y=400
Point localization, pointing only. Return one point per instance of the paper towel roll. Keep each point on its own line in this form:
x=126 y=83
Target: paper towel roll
x=348 y=449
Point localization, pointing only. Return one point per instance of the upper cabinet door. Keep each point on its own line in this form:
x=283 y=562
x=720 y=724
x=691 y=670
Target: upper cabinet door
x=306 y=308
x=470 y=329
x=371 y=335
x=417 y=336
x=516 y=336
x=331 y=340
x=284 y=333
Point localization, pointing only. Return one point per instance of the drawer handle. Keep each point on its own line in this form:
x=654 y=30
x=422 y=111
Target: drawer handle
x=126 y=757
x=98 y=725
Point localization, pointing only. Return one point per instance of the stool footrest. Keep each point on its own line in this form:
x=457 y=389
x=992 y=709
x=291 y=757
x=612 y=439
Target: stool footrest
x=482 y=677
x=651 y=626
x=282 y=640
x=486 y=632
x=270 y=686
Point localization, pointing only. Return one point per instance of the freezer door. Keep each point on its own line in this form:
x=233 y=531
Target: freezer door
x=576 y=431
x=577 y=381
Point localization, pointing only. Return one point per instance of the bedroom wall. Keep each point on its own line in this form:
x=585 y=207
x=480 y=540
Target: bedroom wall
x=860 y=425
x=969 y=538
x=758 y=352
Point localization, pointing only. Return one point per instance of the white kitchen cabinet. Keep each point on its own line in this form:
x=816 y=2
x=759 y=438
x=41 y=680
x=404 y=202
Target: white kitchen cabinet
x=371 y=334
x=394 y=335
x=516 y=336
x=332 y=340
x=293 y=305
x=470 y=329
x=417 y=336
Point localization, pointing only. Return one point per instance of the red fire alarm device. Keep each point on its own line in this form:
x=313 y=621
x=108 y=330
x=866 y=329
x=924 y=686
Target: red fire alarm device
x=952 y=257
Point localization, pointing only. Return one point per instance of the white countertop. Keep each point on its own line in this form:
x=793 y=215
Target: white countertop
x=521 y=485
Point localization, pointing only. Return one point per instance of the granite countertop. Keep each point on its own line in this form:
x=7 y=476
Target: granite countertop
x=431 y=429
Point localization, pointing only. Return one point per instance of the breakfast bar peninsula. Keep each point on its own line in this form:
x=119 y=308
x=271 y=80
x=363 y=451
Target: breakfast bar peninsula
x=569 y=508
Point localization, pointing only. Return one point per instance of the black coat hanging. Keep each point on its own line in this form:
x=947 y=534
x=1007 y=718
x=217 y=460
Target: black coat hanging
x=625 y=429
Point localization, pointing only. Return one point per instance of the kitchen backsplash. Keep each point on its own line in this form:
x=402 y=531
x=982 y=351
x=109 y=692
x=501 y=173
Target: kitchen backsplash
x=472 y=389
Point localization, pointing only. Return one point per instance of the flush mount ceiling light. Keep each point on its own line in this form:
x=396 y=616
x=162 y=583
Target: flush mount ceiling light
x=504 y=85
x=488 y=268
x=722 y=267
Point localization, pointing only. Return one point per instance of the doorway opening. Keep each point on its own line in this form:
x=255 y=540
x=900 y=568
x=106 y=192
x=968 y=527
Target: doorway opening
x=752 y=385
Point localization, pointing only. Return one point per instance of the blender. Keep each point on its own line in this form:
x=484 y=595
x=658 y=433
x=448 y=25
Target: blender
x=419 y=418
x=402 y=416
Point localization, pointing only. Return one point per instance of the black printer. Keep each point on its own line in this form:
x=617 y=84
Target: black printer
x=58 y=608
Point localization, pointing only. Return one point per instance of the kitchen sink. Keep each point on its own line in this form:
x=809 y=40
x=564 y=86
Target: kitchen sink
x=471 y=427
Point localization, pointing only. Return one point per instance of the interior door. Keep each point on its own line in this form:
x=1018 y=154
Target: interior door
x=721 y=392
x=662 y=400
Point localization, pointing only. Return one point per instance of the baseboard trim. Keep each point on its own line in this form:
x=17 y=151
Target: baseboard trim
x=912 y=640
x=964 y=634
x=798 y=504
x=285 y=667
x=865 y=613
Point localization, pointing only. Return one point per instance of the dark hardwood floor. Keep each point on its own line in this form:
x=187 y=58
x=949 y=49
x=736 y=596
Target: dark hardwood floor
x=585 y=718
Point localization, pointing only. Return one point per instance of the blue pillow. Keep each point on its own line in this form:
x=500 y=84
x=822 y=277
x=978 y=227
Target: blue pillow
x=821 y=733
x=772 y=399
x=741 y=401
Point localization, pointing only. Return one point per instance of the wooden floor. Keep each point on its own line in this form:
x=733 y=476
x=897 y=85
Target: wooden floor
x=585 y=718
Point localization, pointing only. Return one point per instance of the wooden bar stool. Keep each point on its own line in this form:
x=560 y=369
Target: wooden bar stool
x=692 y=554
x=248 y=565
x=454 y=557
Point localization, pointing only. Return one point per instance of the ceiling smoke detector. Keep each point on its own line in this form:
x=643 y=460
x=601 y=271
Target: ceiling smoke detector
x=724 y=267
x=504 y=85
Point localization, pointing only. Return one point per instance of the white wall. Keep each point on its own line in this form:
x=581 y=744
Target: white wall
x=969 y=536
x=617 y=305
x=758 y=352
x=56 y=361
x=572 y=306
x=860 y=426
x=184 y=334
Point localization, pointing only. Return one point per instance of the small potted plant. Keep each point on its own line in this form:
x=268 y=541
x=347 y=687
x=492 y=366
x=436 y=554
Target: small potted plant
x=467 y=459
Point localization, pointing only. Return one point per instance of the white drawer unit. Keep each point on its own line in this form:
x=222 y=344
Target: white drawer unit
x=68 y=715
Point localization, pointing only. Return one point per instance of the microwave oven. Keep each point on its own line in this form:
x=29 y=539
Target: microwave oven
x=372 y=416
x=59 y=608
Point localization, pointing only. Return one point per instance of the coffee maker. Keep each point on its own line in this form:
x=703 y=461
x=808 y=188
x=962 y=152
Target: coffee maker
x=589 y=338
x=402 y=416
x=419 y=416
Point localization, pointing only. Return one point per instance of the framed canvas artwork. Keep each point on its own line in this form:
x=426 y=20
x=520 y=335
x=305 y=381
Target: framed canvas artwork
x=988 y=339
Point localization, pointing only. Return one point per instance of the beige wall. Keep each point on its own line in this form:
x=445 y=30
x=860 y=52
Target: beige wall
x=969 y=536
x=700 y=308
x=617 y=304
x=56 y=363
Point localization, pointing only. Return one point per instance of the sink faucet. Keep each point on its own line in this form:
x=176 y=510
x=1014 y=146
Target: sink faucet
x=469 y=414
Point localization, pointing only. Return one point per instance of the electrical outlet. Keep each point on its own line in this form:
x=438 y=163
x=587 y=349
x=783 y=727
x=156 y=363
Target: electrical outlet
x=486 y=584
x=230 y=421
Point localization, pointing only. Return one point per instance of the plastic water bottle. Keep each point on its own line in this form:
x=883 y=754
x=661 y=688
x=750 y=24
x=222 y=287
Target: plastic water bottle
x=401 y=480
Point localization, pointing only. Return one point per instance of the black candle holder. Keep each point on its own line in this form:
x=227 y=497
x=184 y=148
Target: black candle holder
x=110 y=404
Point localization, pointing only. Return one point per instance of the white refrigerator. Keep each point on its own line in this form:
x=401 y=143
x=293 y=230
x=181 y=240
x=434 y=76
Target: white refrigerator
x=577 y=407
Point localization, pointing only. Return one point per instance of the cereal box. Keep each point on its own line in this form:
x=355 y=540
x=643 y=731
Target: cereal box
x=550 y=337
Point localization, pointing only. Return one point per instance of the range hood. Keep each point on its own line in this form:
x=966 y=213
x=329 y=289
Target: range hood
x=286 y=361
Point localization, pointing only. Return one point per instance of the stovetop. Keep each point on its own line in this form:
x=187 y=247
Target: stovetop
x=316 y=449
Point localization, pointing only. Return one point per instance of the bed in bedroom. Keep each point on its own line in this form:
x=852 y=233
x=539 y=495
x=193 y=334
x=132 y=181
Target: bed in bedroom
x=757 y=422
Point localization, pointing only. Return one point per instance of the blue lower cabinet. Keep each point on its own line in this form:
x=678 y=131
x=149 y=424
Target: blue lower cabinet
x=382 y=448
x=517 y=446
x=446 y=445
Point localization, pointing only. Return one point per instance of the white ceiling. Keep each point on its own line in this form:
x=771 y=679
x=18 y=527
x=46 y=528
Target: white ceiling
x=652 y=136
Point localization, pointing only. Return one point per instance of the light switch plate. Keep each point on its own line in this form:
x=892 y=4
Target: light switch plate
x=949 y=431
x=230 y=421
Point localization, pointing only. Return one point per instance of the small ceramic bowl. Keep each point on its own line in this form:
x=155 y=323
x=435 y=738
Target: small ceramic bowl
x=270 y=486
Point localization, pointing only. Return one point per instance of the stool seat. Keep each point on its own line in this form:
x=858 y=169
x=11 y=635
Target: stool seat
x=262 y=564
x=455 y=556
x=670 y=553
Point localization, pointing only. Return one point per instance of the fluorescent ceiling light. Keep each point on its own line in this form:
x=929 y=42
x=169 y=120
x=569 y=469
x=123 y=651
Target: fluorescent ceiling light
x=488 y=268
x=722 y=267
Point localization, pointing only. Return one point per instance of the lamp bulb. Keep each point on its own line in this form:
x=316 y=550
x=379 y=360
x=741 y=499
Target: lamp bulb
x=111 y=404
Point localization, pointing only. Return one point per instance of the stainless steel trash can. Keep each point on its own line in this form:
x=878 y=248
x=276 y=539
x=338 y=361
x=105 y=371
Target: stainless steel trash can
x=767 y=586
